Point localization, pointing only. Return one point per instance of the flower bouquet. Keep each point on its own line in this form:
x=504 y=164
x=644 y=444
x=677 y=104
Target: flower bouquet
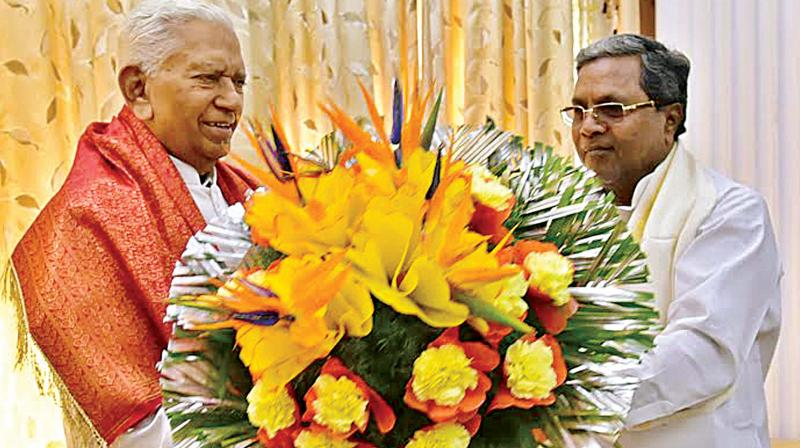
x=425 y=287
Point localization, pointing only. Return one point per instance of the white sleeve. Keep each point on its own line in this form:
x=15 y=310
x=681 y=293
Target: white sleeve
x=727 y=281
x=152 y=432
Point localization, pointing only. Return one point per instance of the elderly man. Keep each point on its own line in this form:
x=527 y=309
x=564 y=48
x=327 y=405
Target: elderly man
x=710 y=246
x=95 y=267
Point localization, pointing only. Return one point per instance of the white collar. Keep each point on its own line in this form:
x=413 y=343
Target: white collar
x=190 y=175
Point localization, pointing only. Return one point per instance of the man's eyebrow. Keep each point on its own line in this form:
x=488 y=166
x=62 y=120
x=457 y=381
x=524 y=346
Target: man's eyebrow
x=601 y=100
x=202 y=66
x=607 y=99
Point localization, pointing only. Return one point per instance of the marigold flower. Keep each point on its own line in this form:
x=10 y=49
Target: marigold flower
x=516 y=253
x=493 y=204
x=528 y=366
x=551 y=273
x=273 y=410
x=449 y=383
x=509 y=298
x=532 y=369
x=341 y=402
x=547 y=295
x=443 y=374
x=310 y=438
x=315 y=439
x=450 y=435
x=487 y=189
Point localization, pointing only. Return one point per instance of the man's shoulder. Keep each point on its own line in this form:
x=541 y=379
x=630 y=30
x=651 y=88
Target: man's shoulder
x=90 y=192
x=85 y=203
x=736 y=201
x=733 y=192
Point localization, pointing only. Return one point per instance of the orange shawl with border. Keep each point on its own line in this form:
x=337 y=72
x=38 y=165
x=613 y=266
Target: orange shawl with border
x=96 y=266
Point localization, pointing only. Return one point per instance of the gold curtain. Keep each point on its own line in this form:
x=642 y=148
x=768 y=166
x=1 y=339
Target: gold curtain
x=595 y=19
x=510 y=60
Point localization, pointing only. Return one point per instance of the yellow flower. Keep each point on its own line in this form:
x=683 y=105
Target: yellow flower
x=450 y=435
x=551 y=273
x=506 y=294
x=387 y=259
x=488 y=190
x=271 y=409
x=317 y=302
x=339 y=404
x=321 y=221
x=412 y=252
x=443 y=374
x=476 y=270
x=529 y=368
x=313 y=439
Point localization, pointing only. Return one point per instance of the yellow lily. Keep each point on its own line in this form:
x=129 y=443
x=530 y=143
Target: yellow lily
x=413 y=254
x=289 y=316
x=322 y=221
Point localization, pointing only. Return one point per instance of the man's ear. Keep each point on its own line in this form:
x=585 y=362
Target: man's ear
x=674 y=113
x=132 y=81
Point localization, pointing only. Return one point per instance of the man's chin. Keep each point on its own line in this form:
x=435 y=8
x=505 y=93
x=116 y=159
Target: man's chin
x=607 y=174
x=217 y=151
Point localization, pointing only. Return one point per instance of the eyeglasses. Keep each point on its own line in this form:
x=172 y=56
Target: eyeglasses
x=605 y=113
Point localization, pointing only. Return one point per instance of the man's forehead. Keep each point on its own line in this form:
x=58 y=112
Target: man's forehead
x=609 y=78
x=211 y=63
x=207 y=36
x=207 y=53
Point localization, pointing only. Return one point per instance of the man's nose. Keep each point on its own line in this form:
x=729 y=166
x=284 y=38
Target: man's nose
x=230 y=97
x=591 y=126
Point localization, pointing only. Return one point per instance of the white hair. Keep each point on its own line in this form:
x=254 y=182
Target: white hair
x=148 y=37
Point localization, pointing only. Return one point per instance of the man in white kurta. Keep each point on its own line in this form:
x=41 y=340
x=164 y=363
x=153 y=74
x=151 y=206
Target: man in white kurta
x=714 y=264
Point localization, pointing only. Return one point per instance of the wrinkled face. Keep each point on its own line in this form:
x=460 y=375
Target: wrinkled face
x=621 y=151
x=197 y=94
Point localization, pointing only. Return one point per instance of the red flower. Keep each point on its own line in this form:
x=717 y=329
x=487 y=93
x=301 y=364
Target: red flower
x=504 y=398
x=482 y=359
x=497 y=332
x=376 y=406
x=488 y=221
x=283 y=439
x=516 y=254
x=553 y=318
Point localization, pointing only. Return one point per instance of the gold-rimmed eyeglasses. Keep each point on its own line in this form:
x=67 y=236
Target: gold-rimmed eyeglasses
x=605 y=112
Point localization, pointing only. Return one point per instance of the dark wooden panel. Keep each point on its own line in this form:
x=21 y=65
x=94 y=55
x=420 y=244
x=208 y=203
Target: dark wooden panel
x=647 y=17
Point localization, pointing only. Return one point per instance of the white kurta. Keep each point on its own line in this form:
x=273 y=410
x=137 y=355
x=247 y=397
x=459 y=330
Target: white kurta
x=703 y=384
x=154 y=431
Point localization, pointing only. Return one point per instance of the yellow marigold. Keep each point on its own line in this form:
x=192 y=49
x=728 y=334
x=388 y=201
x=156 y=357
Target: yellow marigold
x=450 y=435
x=272 y=410
x=509 y=299
x=443 y=374
x=488 y=190
x=550 y=273
x=528 y=366
x=339 y=403
x=312 y=439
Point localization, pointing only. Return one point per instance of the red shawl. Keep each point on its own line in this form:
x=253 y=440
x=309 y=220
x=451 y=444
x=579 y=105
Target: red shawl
x=96 y=266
